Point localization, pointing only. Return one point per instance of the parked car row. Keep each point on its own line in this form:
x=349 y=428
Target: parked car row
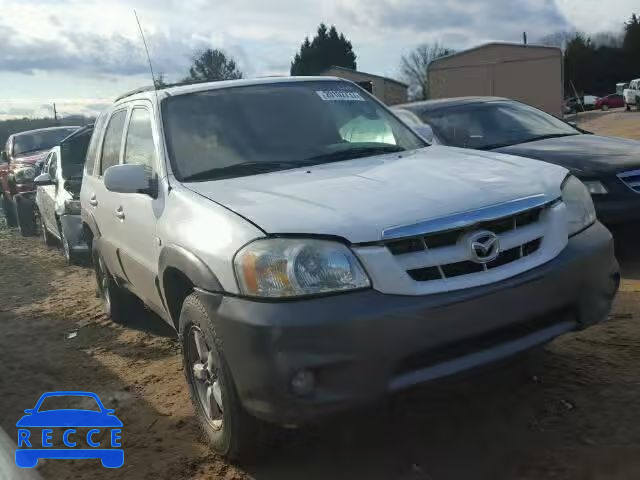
x=315 y=252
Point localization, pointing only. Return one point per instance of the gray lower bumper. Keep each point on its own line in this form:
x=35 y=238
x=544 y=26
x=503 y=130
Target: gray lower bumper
x=363 y=345
x=73 y=232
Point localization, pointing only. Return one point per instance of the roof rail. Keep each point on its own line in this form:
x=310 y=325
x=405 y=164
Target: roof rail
x=148 y=88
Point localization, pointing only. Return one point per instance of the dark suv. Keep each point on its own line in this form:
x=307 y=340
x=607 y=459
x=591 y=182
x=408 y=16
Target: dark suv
x=18 y=169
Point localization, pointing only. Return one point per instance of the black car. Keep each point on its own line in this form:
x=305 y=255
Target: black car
x=609 y=167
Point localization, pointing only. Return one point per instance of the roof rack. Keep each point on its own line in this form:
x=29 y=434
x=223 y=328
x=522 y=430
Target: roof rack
x=148 y=88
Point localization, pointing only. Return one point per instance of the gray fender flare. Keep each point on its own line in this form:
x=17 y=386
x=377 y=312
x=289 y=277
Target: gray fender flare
x=175 y=256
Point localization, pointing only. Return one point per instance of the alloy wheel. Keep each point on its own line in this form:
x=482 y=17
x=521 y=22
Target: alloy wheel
x=201 y=367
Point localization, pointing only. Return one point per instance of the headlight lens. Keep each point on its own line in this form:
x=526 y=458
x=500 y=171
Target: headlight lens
x=595 y=187
x=24 y=175
x=290 y=267
x=72 y=207
x=580 y=210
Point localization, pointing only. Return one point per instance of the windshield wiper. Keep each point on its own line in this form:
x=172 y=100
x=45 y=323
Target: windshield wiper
x=240 y=169
x=528 y=140
x=351 y=153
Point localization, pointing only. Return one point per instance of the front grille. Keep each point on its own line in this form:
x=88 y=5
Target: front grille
x=448 y=243
x=467 y=267
x=631 y=179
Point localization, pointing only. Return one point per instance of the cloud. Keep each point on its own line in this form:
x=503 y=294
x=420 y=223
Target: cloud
x=462 y=23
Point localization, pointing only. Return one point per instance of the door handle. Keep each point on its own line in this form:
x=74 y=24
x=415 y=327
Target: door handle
x=93 y=201
x=120 y=213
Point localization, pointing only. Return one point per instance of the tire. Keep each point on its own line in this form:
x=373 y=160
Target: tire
x=627 y=107
x=9 y=212
x=72 y=258
x=48 y=239
x=638 y=103
x=605 y=108
x=119 y=304
x=25 y=214
x=229 y=429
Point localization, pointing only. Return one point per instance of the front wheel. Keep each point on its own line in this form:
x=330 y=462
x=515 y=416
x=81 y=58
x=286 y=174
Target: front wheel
x=9 y=212
x=229 y=429
x=26 y=218
x=48 y=239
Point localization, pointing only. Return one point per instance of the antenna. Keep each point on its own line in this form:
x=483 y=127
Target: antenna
x=146 y=49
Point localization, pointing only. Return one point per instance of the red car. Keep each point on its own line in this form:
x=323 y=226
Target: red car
x=610 y=101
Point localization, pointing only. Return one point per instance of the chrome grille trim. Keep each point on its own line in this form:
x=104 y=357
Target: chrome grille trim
x=467 y=219
x=631 y=179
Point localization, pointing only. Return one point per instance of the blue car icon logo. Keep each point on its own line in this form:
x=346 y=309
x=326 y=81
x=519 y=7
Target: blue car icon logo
x=36 y=433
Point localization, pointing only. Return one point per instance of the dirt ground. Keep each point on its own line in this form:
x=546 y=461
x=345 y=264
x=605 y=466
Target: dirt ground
x=576 y=417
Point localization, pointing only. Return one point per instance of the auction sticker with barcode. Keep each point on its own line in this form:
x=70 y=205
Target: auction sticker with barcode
x=340 y=95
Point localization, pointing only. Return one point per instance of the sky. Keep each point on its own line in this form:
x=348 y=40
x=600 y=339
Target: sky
x=83 y=53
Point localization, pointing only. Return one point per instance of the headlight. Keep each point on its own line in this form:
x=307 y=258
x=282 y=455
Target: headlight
x=24 y=175
x=580 y=210
x=290 y=267
x=72 y=207
x=595 y=187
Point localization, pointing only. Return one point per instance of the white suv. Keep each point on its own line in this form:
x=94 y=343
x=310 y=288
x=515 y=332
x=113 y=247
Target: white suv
x=315 y=254
x=632 y=94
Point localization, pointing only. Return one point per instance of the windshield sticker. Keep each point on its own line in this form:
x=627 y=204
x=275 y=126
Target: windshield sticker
x=339 y=95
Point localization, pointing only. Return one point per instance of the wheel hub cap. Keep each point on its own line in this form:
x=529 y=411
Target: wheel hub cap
x=205 y=373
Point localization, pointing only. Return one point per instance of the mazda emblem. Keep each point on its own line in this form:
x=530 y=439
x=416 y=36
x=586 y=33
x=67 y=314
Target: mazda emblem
x=484 y=246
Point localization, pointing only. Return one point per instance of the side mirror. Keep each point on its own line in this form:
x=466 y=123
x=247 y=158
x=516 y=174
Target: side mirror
x=425 y=131
x=127 y=179
x=43 y=180
x=29 y=411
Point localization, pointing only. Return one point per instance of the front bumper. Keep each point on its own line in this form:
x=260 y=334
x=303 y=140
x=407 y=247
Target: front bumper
x=362 y=345
x=74 y=233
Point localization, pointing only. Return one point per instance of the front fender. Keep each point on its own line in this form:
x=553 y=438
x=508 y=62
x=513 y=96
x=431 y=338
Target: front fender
x=175 y=256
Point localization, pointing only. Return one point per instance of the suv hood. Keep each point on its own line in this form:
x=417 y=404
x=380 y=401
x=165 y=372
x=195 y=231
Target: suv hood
x=357 y=199
x=584 y=155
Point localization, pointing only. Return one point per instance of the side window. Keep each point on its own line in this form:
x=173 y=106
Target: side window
x=53 y=165
x=112 y=141
x=92 y=150
x=139 y=147
x=45 y=166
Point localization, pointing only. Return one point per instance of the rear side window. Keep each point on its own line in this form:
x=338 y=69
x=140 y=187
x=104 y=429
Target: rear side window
x=112 y=141
x=92 y=151
x=139 y=147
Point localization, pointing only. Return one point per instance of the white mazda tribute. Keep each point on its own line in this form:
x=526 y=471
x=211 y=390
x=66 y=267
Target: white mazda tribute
x=314 y=253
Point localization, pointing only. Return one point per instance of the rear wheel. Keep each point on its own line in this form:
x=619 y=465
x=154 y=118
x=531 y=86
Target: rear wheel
x=605 y=107
x=72 y=258
x=119 y=304
x=229 y=429
x=627 y=107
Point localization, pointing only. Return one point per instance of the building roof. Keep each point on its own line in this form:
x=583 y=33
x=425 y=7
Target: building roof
x=349 y=70
x=493 y=44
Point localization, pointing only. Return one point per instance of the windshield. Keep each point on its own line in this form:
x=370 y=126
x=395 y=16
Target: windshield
x=493 y=124
x=245 y=130
x=42 y=140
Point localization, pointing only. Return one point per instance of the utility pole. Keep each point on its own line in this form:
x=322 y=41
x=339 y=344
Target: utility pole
x=524 y=38
x=55 y=113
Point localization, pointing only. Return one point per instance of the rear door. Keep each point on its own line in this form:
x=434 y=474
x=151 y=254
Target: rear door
x=102 y=203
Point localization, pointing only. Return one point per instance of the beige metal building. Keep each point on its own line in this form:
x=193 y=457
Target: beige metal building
x=528 y=73
x=388 y=90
